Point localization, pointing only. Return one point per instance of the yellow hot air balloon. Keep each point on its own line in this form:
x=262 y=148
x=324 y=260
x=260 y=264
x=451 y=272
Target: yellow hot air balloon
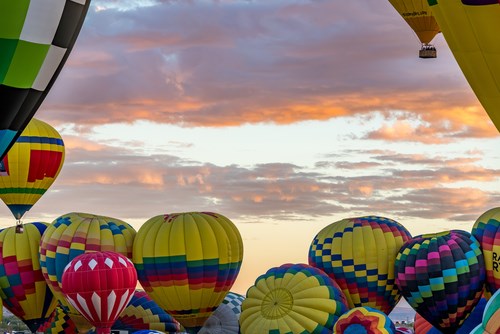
x=23 y=289
x=187 y=263
x=30 y=167
x=471 y=30
x=419 y=17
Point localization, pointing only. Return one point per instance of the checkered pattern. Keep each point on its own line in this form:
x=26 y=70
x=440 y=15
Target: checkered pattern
x=359 y=254
x=36 y=38
x=441 y=276
x=233 y=301
x=58 y=323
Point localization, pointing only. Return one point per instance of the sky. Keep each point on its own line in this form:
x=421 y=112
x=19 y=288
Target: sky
x=284 y=116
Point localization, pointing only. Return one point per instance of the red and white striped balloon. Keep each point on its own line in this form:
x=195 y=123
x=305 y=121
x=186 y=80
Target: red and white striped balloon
x=99 y=285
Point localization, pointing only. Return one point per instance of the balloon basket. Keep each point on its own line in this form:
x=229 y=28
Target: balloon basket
x=427 y=51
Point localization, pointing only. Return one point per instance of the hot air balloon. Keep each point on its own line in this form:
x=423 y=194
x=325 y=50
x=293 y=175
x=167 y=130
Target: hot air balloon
x=422 y=326
x=59 y=322
x=225 y=319
x=187 y=263
x=99 y=285
x=441 y=275
x=486 y=230
x=144 y=313
x=470 y=30
x=419 y=17
x=30 y=167
x=76 y=233
x=148 y=331
x=491 y=317
x=23 y=289
x=359 y=254
x=36 y=38
x=364 y=319
x=292 y=298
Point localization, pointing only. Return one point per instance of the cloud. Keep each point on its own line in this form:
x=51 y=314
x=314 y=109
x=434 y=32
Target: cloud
x=218 y=63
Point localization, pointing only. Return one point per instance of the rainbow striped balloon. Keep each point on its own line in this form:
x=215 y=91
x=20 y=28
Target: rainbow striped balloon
x=359 y=254
x=366 y=320
x=31 y=166
x=486 y=230
x=23 y=289
x=77 y=233
x=187 y=263
x=441 y=275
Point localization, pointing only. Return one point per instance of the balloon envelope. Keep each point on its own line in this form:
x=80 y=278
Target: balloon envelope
x=30 y=167
x=77 y=233
x=470 y=29
x=225 y=319
x=187 y=262
x=23 y=289
x=359 y=254
x=99 y=285
x=292 y=298
x=36 y=38
x=441 y=275
x=59 y=322
x=486 y=230
x=419 y=17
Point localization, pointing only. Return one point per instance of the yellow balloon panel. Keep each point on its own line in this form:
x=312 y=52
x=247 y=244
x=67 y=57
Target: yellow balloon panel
x=419 y=17
x=470 y=29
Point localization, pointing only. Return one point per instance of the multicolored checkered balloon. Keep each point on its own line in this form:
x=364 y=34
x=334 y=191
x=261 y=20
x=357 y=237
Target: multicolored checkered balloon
x=58 y=323
x=359 y=254
x=441 y=275
x=486 y=230
x=36 y=38
x=225 y=319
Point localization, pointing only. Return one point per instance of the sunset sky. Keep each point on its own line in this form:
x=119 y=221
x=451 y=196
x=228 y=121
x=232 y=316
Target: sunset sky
x=282 y=115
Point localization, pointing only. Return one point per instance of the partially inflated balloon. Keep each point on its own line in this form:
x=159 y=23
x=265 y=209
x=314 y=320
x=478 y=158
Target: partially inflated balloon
x=23 y=289
x=470 y=28
x=491 y=317
x=99 y=285
x=486 y=230
x=36 y=38
x=359 y=254
x=187 y=262
x=365 y=320
x=144 y=313
x=292 y=298
x=30 y=167
x=76 y=233
x=225 y=319
x=441 y=275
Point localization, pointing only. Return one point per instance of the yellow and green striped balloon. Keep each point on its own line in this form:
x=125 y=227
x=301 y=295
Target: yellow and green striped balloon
x=23 y=289
x=31 y=167
x=187 y=263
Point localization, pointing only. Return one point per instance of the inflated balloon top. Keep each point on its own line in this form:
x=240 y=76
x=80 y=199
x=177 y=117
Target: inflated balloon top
x=23 y=289
x=59 y=322
x=30 y=167
x=441 y=275
x=187 y=263
x=486 y=230
x=366 y=320
x=99 y=285
x=470 y=28
x=359 y=254
x=36 y=38
x=292 y=298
